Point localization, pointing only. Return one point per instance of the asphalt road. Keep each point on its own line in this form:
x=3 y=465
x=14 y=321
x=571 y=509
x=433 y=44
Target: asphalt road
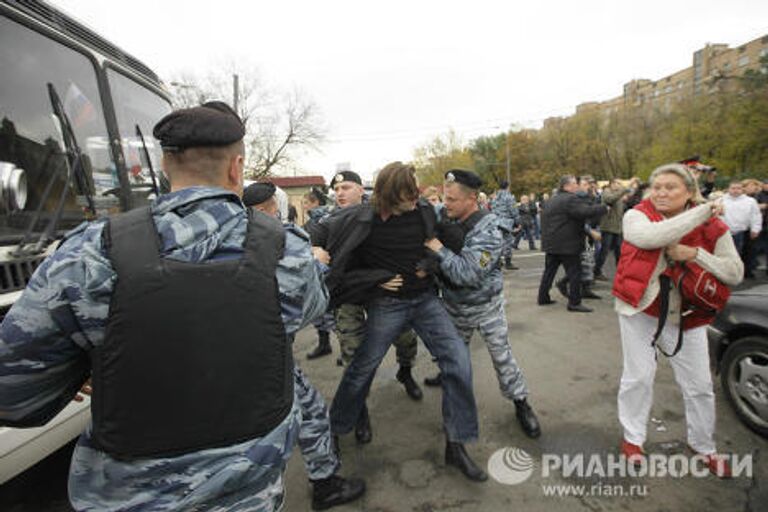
x=572 y=363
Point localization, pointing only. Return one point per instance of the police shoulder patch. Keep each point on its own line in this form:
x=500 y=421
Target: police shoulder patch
x=485 y=258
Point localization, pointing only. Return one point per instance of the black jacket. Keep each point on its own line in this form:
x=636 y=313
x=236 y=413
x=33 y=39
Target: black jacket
x=562 y=223
x=344 y=231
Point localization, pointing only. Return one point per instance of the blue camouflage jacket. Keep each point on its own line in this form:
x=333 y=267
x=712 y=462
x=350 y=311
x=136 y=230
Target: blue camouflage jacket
x=474 y=275
x=504 y=208
x=62 y=315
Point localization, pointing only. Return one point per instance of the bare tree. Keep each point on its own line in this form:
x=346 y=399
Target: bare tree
x=279 y=127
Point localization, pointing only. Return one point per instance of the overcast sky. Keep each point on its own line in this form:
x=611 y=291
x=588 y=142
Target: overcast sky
x=390 y=76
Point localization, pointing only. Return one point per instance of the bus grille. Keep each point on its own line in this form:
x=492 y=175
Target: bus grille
x=14 y=275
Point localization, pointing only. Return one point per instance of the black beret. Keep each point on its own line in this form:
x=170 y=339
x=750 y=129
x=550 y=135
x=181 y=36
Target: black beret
x=346 y=176
x=466 y=178
x=256 y=193
x=211 y=124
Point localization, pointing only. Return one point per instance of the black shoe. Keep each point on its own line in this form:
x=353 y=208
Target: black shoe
x=323 y=347
x=578 y=308
x=546 y=302
x=405 y=377
x=508 y=264
x=339 y=361
x=335 y=490
x=435 y=381
x=527 y=418
x=601 y=277
x=363 y=432
x=586 y=293
x=562 y=286
x=456 y=455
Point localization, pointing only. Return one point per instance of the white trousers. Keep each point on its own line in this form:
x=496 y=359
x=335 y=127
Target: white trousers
x=691 y=369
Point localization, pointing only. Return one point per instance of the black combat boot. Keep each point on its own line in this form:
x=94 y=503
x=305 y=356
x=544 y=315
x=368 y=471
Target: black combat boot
x=323 y=345
x=405 y=377
x=457 y=456
x=508 y=264
x=335 y=490
x=363 y=432
x=527 y=418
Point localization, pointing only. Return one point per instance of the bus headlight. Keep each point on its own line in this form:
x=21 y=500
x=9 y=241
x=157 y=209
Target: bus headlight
x=13 y=187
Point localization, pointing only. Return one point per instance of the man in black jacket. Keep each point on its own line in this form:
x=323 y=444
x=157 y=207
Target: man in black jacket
x=378 y=257
x=562 y=239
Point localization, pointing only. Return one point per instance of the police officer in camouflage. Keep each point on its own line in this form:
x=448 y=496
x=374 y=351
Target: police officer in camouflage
x=507 y=214
x=469 y=251
x=179 y=313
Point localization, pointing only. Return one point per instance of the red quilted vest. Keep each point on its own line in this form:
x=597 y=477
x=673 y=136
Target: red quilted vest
x=636 y=265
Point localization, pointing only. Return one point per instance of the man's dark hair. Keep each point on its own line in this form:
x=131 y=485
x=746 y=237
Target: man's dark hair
x=316 y=196
x=565 y=180
x=504 y=185
x=395 y=184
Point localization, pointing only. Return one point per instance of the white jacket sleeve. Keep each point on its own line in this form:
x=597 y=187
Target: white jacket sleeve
x=725 y=264
x=642 y=233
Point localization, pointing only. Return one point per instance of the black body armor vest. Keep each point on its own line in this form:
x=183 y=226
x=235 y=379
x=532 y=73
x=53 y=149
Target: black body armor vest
x=195 y=354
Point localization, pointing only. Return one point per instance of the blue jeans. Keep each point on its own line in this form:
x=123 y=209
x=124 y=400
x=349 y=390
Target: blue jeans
x=387 y=318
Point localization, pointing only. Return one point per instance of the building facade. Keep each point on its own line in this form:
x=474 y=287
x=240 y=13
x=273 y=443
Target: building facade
x=713 y=69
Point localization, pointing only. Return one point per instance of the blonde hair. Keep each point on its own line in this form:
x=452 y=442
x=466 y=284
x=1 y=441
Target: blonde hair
x=685 y=174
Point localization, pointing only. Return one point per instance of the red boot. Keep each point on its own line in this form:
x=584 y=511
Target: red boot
x=632 y=452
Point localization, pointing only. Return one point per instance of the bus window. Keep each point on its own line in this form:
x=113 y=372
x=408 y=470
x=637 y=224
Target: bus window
x=30 y=135
x=135 y=104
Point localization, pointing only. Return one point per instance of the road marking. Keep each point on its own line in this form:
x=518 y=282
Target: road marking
x=527 y=255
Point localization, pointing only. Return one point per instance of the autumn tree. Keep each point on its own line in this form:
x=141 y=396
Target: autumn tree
x=279 y=125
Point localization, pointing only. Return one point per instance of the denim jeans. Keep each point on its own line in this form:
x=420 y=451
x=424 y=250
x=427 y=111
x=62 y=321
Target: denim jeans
x=387 y=318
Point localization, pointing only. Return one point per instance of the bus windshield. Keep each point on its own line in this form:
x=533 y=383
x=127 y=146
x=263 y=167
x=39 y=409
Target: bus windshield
x=137 y=105
x=30 y=135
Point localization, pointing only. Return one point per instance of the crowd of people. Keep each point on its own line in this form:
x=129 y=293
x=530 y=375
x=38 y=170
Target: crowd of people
x=180 y=316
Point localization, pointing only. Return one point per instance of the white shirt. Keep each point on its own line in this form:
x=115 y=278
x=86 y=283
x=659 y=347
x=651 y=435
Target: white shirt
x=742 y=214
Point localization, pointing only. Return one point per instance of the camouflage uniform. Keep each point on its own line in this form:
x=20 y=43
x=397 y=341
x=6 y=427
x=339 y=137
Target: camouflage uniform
x=472 y=285
x=350 y=330
x=506 y=211
x=62 y=314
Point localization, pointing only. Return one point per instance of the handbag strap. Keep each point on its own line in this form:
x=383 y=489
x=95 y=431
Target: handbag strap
x=666 y=287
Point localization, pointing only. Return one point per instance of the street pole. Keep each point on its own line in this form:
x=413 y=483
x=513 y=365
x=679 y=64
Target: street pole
x=235 y=91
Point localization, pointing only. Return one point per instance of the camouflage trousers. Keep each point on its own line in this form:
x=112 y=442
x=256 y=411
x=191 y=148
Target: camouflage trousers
x=491 y=321
x=325 y=323
x=314 y=429
x=508 y=240
x=350 y=330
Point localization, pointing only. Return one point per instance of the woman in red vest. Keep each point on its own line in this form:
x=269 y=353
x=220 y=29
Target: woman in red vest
x=671 y=227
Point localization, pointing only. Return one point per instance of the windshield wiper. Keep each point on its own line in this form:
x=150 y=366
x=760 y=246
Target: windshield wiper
x=74 y=168
x=74 y=154
x=149 y=160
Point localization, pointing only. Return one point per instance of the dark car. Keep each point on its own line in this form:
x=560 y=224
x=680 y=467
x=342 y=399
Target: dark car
x=738 y=346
